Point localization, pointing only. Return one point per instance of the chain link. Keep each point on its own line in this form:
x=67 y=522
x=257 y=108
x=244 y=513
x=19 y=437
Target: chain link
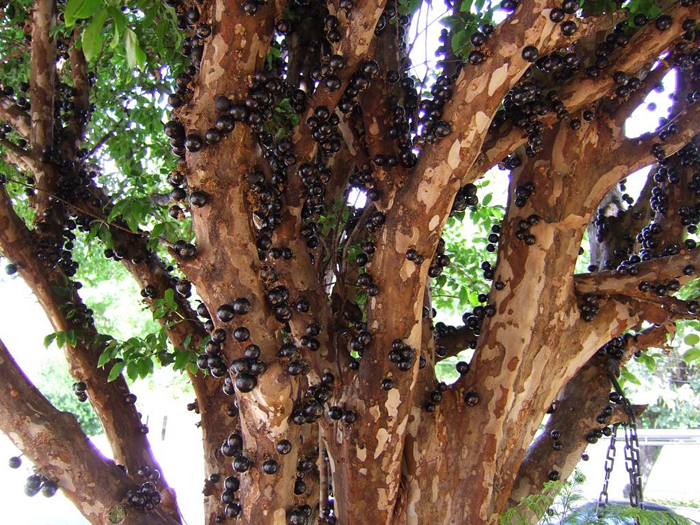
x=632 y=457
x=609 y=463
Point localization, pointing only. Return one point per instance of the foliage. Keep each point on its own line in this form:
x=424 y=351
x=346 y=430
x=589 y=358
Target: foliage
x=563 y=503
x=55 y=382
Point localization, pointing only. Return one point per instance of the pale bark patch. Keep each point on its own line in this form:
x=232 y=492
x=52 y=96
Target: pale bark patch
x=280 y=516
x=498 y=77
x=482 y=122
x=430 y=188
x=392 y=403
x=413 y=499
x=453 y=157
x=382 y=439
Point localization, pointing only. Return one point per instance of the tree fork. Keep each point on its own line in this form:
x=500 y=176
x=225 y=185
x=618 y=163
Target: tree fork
x=56 y=444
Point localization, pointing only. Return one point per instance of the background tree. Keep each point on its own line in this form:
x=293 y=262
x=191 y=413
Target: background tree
x=314 y=348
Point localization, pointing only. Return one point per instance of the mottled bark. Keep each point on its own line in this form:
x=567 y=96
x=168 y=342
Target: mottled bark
x=57 y=446
x=578 y=406
x=14 y=116
x=58 y=296
x=583 y=92
x=410 y=457
x=41 y=88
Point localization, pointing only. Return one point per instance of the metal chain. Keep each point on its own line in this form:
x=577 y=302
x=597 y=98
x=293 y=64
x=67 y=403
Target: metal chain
x=632 y=458
x=609 y=463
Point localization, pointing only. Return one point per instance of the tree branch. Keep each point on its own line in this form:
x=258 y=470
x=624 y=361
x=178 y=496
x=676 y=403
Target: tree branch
x=15 y=117
x=358 y=28
x=41 y=78
x=645 y=45
x=577 y=408
x=56 y=444
x=58 y=297
x=79 y=120
x=660 y=270
x=457 y=340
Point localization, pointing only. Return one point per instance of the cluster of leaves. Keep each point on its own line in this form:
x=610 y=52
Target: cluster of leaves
x=283 y=120
x=472 y=15
x=466 y=237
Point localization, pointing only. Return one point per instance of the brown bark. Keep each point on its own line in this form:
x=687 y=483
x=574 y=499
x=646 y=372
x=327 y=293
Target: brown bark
x=645 y=45
x=14 y=116
x=575 y=416
x=41 y=87
x=659 y=270
x=55 y=443
x=399 y=463
x=55 y=293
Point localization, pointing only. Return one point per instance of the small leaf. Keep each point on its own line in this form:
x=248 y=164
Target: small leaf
x=92 y=36
x=135 y=57
x=629 y=376
x=116 y=370
x=169 y=297
x=692 y=339
x=692 y=355
x=49 y=339
x=71 y=337
x=145 y=367
x=79 y=9
x=105 y=356
x=132 y=370
x=60 y=339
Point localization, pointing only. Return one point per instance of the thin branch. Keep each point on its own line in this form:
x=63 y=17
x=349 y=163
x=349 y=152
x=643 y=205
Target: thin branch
x=15 y=117
x=660 y=270
x=92 y=214
x=54 y=291
x=41 y=78
x=78 y=122
x=103 y=139
x=457 y=340
x=56 y=444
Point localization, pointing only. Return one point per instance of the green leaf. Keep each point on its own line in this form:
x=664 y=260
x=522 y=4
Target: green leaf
x=119 y=25
x=105 y=356
x=132 y=370
x=181 y=360
x=629 y=376
x=60 y=339
x=692 y=355
x=692 y=339
x=92 y=36
x=648 y=361
x=49 y=339
x=169 y=297
x=135 y=57
x=487 y=199
x=79 y=9
x=116 y=370
x=71 y=337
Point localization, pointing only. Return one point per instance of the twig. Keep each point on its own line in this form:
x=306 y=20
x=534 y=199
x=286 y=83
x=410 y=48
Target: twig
x=77 y=208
